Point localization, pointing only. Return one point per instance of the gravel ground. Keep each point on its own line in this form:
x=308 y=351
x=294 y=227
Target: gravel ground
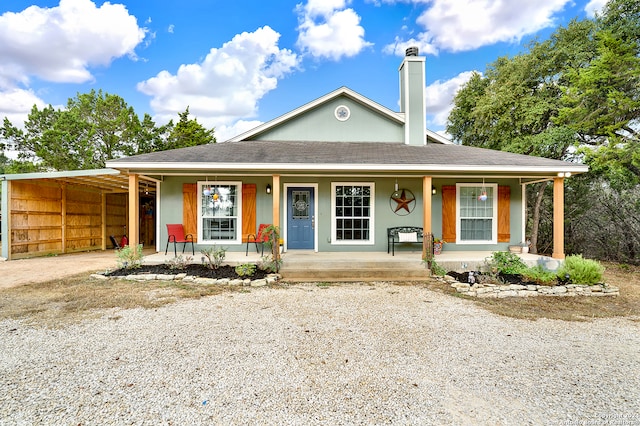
x=305 y=355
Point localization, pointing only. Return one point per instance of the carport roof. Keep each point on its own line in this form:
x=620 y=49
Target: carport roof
x=110 y=180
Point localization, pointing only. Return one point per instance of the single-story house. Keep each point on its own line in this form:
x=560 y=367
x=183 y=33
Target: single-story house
x=337 y=172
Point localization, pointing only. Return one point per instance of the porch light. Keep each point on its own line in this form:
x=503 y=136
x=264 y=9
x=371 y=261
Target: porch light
x=268 y=188
x=433 y=190
x=565 y=174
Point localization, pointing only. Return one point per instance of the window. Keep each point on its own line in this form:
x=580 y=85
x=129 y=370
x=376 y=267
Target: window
x=219 y=207
x=352 y=213
x=477 y=215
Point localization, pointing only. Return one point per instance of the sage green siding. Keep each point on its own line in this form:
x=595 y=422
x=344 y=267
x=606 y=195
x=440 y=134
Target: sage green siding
x=320 y=124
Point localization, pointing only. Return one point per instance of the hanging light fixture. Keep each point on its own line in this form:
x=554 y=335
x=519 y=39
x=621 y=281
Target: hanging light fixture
x=206 y=191
x=483 y=193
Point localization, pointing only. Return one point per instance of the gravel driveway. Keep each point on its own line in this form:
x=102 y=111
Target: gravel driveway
x=305 y=355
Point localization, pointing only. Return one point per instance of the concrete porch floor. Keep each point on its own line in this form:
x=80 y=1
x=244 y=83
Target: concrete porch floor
x=305 y=265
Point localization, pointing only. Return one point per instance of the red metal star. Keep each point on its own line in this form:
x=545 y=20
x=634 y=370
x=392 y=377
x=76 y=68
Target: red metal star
x=403 y=202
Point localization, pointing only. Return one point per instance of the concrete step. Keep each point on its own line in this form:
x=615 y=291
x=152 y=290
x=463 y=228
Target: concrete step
x=358 y=271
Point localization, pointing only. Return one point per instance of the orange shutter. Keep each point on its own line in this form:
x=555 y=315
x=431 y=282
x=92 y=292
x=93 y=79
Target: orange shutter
x=248 y=210
x=190 y=209
x=504 y=214
x=449 y=213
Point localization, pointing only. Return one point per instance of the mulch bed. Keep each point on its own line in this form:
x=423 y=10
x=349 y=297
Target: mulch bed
x=504 y=278
x=195 y=270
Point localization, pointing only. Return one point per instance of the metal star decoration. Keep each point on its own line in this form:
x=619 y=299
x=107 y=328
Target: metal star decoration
x=403 y=201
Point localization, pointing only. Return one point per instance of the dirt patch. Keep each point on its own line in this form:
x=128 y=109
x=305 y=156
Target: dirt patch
x=224 y=271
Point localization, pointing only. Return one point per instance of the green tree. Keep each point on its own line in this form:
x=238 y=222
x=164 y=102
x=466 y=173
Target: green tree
x=188 y=132
x=93 y=128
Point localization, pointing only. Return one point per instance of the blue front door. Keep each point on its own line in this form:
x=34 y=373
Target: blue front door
x=300 y=218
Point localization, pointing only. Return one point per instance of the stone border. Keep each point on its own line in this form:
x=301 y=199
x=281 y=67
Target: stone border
x=270 y=279
x=517 y=290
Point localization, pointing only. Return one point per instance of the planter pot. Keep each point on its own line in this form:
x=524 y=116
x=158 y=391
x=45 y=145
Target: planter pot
x=437 y=248
x=525 y=249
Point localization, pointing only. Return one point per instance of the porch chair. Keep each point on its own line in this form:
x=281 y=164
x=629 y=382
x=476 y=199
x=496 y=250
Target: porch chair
x=261 y=237
x=176 y=235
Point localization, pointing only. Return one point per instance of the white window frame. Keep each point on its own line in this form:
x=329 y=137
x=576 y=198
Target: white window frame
x=494 y=218
x=238 y=239
x=334 y=229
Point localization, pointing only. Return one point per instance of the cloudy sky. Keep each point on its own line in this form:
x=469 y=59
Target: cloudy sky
x=239 y=63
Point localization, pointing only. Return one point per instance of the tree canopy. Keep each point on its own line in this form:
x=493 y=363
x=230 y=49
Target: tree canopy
x=93 y=128
x=574 y=95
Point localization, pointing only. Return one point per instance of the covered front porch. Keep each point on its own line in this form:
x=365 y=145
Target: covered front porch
x=307 y=265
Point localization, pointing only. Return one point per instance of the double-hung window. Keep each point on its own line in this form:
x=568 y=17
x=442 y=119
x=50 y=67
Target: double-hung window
x=219 y=212
x=352 y=213
x=477 y=213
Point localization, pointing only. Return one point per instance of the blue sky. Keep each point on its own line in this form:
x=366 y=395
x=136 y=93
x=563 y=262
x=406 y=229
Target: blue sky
x=237 y=64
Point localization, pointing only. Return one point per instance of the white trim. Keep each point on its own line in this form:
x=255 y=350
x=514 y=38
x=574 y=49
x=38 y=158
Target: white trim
x=372 y=233
x=343 y=91
x=338 y=116
x=437 y=137
x=285 y=187
x=494 y=219
x=238 y=216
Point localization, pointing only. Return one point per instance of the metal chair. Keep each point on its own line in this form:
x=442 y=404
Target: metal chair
x=176 y=235
x=261 y=237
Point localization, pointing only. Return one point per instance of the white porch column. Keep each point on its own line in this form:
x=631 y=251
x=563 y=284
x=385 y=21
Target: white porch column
x=558 y=218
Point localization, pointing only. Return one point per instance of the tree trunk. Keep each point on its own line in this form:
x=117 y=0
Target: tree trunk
x=535 y=220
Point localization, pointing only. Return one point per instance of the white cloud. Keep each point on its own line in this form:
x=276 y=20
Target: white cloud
x=439 y=98
x=59 y=44
x=594 y=6
x=327 y=29
x=226 y=85
x=469 y=24
x=16 y=104
x=171 y=28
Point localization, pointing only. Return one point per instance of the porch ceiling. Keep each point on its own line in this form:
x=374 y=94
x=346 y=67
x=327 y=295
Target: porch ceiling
x=105 y=180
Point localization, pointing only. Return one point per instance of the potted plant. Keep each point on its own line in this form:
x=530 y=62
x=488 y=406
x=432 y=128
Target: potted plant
x=437 y=245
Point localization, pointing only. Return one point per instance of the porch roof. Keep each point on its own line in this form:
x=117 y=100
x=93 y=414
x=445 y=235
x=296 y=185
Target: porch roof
x=278 y=156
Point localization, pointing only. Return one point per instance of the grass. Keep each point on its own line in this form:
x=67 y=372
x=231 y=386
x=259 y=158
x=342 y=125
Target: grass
x=579 y=308
x=78 y=297
x=59 y=302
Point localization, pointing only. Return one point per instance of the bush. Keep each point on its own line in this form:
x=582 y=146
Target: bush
x=128 y=258
x=178 y=263
x=246 y=269
x=539 y=275
x=436 y=269
x=578 y=270
x=215 y=256
x=504 y=262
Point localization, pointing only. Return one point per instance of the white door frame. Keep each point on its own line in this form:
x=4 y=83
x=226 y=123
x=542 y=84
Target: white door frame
x=286 y=187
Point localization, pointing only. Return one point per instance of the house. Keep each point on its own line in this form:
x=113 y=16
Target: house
x=335 y=173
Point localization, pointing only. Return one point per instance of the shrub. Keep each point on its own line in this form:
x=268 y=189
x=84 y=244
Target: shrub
x=578 y=270
x=178 y=263
x=437 y=270
x=128 y=258
x=504 y=262
x=539 y=275
x=246 y=269
x=215 y=256
x=270 y=263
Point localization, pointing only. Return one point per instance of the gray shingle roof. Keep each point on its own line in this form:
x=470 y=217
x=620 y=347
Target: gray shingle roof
x=275 y=154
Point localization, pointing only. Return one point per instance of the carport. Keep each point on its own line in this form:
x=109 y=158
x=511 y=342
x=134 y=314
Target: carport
x=71 y=211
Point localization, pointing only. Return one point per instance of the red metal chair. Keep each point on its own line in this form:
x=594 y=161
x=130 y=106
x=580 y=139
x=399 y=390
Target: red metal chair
x=176 y=235
x=261 y=237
